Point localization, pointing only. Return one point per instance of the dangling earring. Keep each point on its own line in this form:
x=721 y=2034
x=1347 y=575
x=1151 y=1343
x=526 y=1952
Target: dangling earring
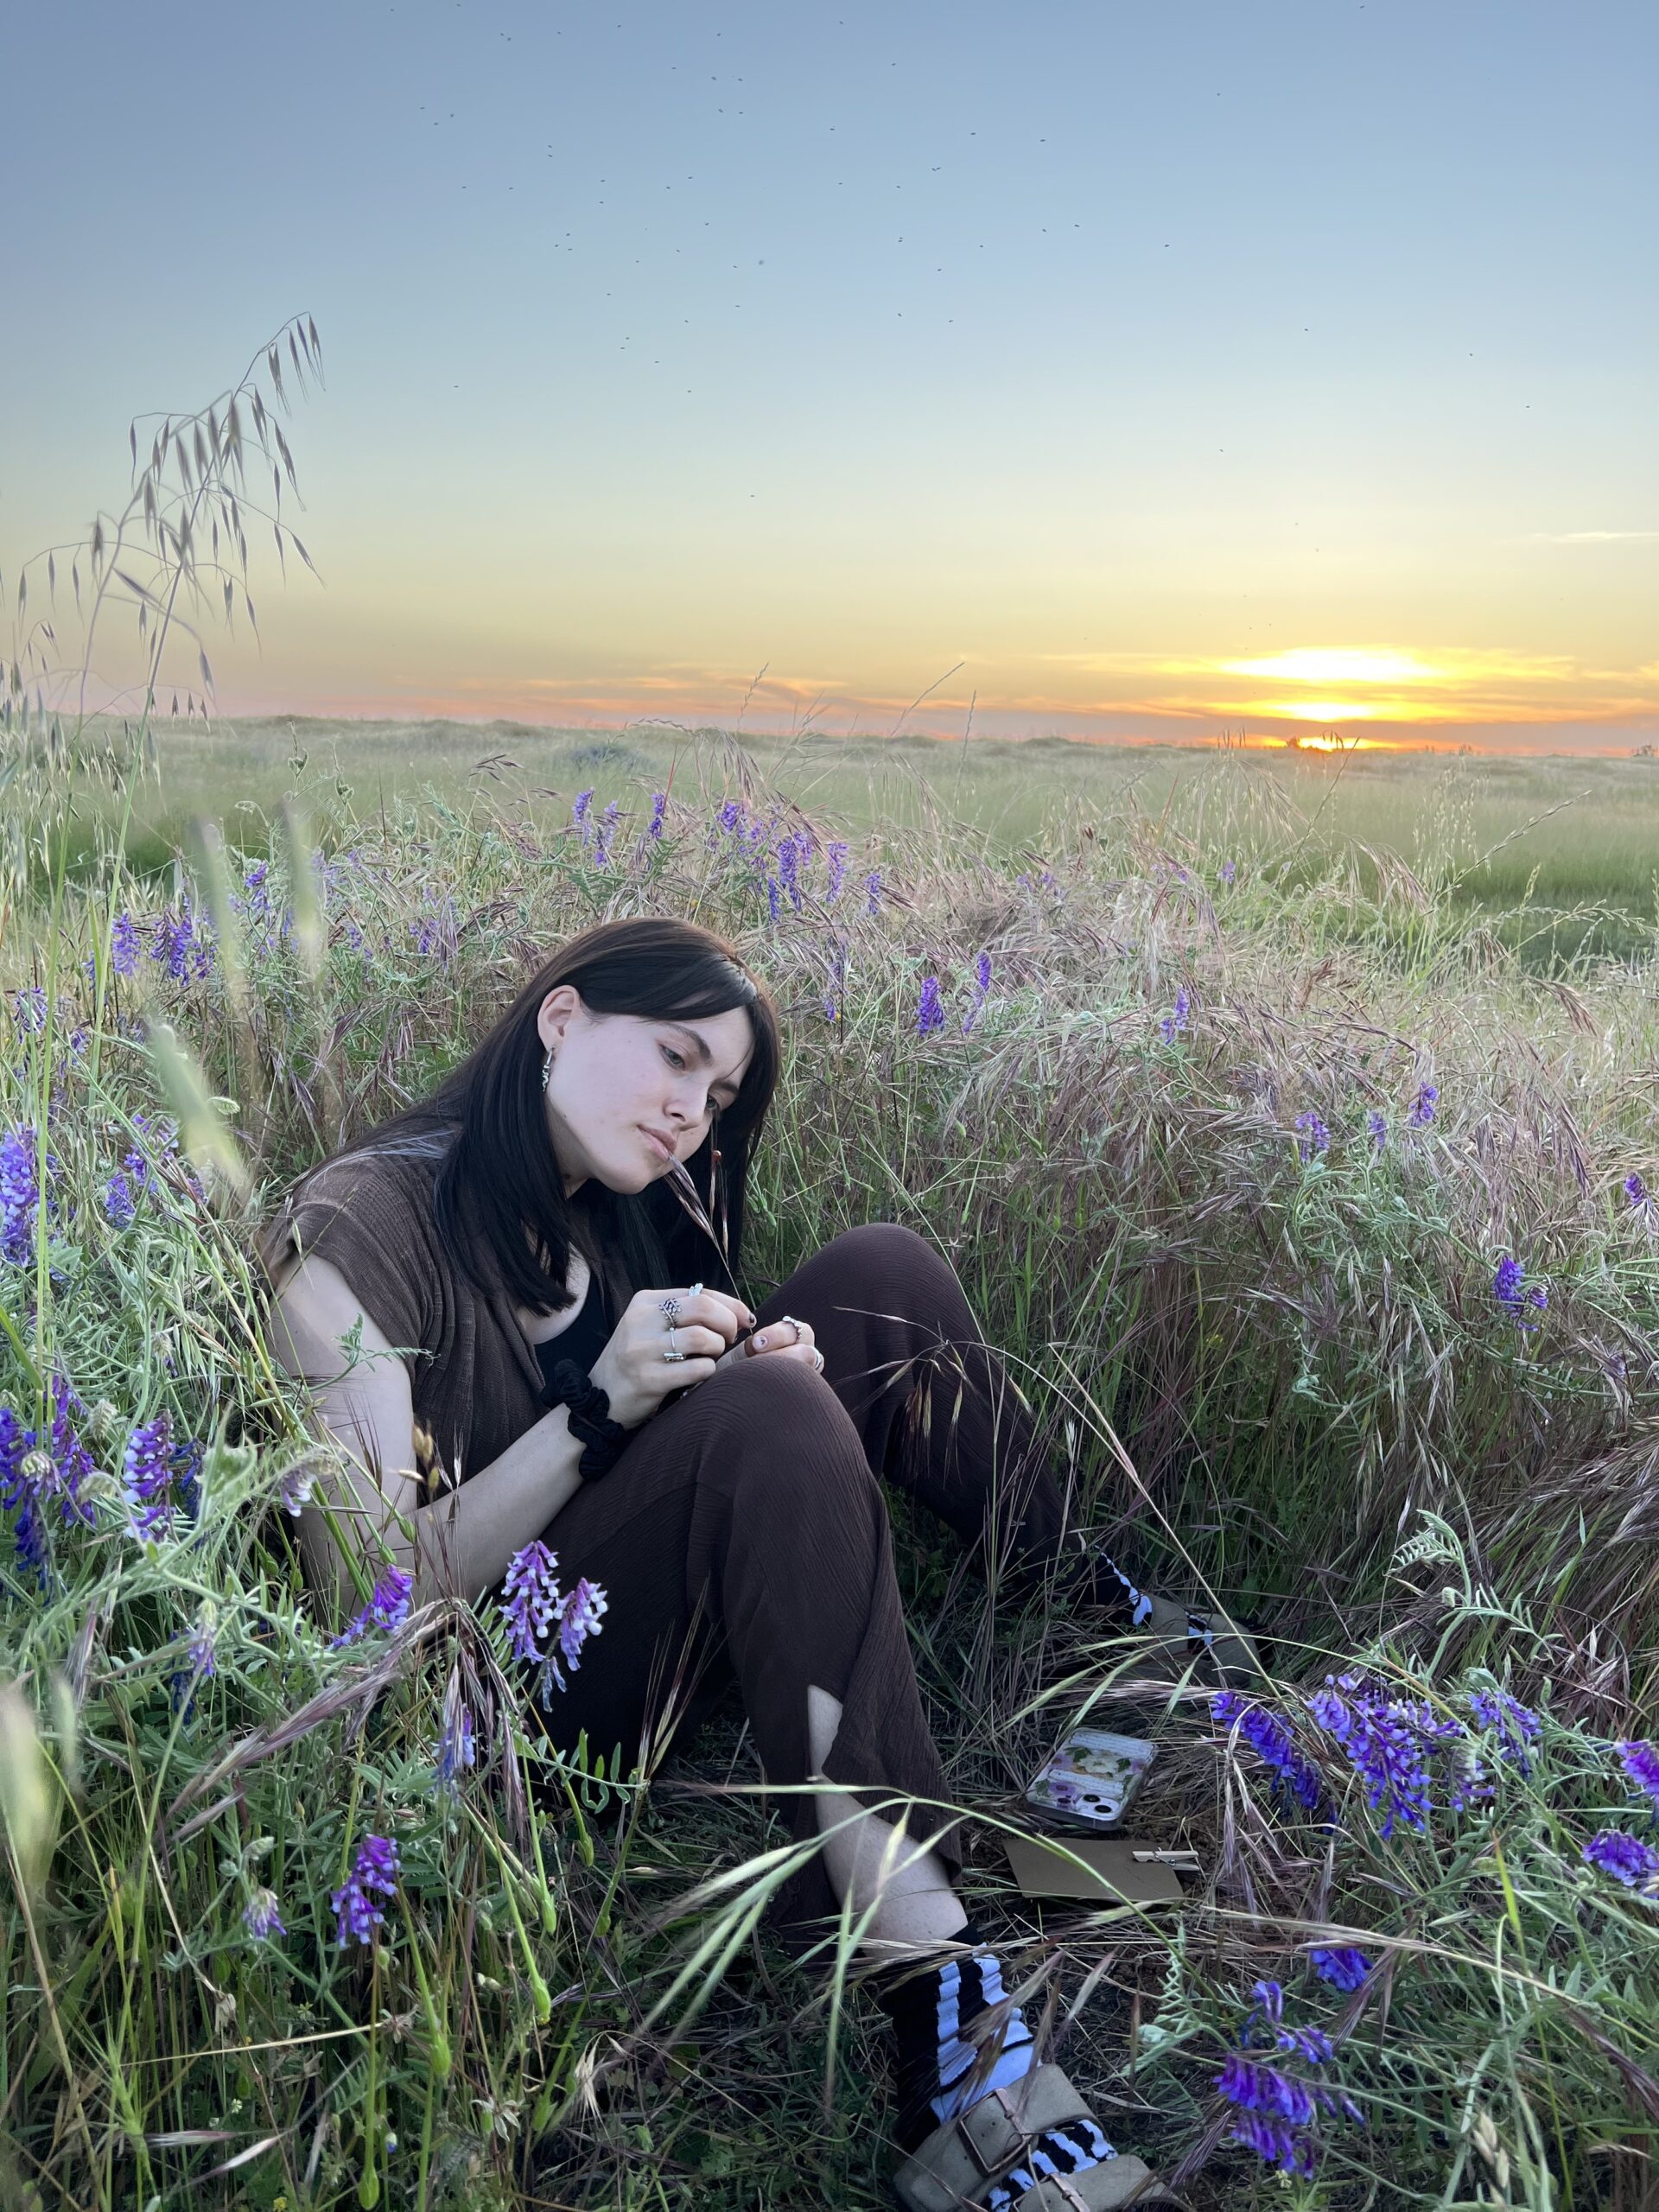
x=546 y=1068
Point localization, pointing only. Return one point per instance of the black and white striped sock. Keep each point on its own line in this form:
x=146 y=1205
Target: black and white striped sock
x=939 y=2024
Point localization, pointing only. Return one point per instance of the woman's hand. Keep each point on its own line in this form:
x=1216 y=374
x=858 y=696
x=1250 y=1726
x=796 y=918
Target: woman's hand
x=632 y=1371
x=784 y=1340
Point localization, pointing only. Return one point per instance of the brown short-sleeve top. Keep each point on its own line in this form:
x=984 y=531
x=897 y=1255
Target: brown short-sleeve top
x=474 y=1378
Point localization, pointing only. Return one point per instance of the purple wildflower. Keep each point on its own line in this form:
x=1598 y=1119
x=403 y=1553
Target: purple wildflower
x=1269 y=1739
x=1259 y=2087
x=174 y=941
x=929 y=1014
x=201 y=1651
x=24 y=1471
x=579 y=812
x=578 y=1617
x=147 y=1472
x=1422 y=1107
x=731 y=814
x=1377 y=1126
x=1641 y=1763
x=1229 y=871
x=20 y=1196
x=70 y=1461
x=1342 y=1969
x=1176 y=1019
x=604 y=834
x=789 y=871
x=1315 y=1138
x=1274 y=2143
x=387 y=1609
x=295 y=1488
x=376 y=1868
x=837 y=858
x=1515 y=1295
x=1515 y=1725
x=535 y=1603
x=29 y=1011
x=262 y=1915
x=981 y=985
x=1390 y=1743
x=533 y=1597
x=119 y=1205
x=774 y=901
x=123 y=944
x=456 y=1747
x=659 y=807
x=1626 y=1857
x=873 y=891
x=187 y=1476
x=1637 y=1192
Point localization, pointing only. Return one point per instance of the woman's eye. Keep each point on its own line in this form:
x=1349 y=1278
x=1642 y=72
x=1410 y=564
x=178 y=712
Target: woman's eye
x=676 y=1058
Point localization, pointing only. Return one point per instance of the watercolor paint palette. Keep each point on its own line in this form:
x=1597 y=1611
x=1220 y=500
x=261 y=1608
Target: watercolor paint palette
x=1090 y=1781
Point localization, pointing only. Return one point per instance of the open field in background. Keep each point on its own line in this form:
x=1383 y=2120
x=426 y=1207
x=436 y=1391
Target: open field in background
x=1576 y=841
x=1228 y=1148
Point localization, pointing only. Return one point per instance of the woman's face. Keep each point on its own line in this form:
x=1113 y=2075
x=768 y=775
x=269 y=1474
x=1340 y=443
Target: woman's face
x=621 y=1081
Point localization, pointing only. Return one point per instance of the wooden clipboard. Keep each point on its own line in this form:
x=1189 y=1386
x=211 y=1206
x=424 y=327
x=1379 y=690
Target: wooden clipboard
x=1110 y=1870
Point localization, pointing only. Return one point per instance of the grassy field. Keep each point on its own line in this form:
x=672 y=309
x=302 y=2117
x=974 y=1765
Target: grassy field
x=1273 y=1073
x=1568 y=847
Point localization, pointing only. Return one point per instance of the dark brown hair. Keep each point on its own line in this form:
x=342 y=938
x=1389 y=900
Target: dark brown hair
x=498 y=1195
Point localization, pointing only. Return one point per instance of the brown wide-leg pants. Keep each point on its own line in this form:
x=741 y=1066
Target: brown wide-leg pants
x=744 y=1529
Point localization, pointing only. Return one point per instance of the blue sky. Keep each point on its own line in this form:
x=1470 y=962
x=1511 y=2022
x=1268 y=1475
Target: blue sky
x=1167 y=368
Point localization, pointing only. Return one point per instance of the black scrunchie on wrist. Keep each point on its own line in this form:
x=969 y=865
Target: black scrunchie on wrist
x=587 y=1408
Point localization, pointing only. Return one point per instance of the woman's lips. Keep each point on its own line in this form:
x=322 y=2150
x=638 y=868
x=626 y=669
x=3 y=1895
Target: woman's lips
x=662 y=1150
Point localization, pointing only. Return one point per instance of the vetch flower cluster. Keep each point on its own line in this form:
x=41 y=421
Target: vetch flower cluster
x=1268 y=1738
x=535 y=1604
x=387 y=1609
x=929 y=1015
x=1313 y=1137
x=356 y=1912
x=1515 y=1726
x=456 y=1746
x=1344 y=1969
x=1641 y=1764
x=1518 y=1298
x=146 y=1470
x=1276 y=2110
x=32 y=1474
x=982 y=986
x=21 y=1194
x=1399 y=1750
x=262 y=1915
x=1422 y=1107
x=1626 y=1857
x=1176 y=1019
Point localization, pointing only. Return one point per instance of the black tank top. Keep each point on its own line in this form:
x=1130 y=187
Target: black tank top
x=585 y=1338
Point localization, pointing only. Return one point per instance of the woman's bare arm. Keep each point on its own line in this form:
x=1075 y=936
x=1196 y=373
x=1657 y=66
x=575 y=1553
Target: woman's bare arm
x=465 y=1537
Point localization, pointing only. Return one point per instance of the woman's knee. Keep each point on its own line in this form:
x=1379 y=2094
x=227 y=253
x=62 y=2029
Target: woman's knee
x=784 y=1426
x=888 y=1252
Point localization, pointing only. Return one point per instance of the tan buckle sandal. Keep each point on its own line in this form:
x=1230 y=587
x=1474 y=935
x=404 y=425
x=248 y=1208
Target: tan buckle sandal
x=964 y=2159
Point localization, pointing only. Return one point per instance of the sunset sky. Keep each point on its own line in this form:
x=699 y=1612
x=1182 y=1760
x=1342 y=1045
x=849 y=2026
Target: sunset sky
x=1129 y=369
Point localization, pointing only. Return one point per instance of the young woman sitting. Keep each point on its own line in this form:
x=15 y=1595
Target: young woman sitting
x=513 y=1250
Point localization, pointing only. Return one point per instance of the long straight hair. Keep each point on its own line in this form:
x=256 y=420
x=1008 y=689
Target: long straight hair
x=498 y=1197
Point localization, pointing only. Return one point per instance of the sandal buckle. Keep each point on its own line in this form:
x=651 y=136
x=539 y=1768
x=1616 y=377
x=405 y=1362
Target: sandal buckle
x=991 y=2163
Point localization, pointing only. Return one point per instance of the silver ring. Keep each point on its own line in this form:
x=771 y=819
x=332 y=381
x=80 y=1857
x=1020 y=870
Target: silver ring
x=670 y=1306
x=793 y=1324
x=817 y=1358
x=695 y=1291
x=671 y=1353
